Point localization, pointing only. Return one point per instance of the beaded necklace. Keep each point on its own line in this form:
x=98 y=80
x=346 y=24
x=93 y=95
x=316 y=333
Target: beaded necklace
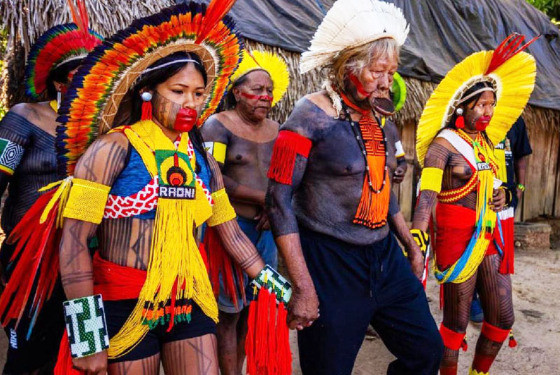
x=374 y=204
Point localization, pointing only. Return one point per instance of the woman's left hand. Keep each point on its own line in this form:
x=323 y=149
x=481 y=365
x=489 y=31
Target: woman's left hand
x=498 y=200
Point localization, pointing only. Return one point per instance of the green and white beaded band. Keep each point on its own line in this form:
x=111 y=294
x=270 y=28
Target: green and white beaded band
x=86 y=326
x=276 y=283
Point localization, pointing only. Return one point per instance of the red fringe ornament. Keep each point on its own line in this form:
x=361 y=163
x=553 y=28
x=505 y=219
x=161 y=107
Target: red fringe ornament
x=460 y=122
x=146 y=110
x=219 y=262
x=287 y=146
x=507 y=265
x=267 y=345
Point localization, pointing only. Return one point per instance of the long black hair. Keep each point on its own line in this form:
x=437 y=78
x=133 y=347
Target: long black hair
x=154 y=77
x=60 y=74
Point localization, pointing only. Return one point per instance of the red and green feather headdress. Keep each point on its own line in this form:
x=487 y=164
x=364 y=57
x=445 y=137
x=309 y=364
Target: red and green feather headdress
x=110 y=71
x=56 y=46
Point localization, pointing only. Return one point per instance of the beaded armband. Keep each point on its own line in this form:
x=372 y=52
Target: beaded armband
x=87 y=201
x=431 y=179
x=86 y=326
x=276 y=283
x=421 y=238
x=222 y=210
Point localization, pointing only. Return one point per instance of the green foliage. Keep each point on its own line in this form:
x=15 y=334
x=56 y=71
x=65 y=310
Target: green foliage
x=549 y=7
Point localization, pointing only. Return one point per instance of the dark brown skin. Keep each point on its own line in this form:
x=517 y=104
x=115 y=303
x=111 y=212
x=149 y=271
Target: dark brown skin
x=249 y=137
x=327 y=186
x=102 y=163
x=494 y=288
x=393 y=137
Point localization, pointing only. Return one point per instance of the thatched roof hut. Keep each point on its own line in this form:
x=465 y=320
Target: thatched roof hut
x=433 y=47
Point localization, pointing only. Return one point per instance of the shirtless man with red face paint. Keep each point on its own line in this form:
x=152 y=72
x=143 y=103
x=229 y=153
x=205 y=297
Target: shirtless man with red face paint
x=241 y=139
x=329 y=201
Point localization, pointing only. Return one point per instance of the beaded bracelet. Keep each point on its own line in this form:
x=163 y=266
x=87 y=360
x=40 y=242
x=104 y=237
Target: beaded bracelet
x=276 y=283
x=86 y=326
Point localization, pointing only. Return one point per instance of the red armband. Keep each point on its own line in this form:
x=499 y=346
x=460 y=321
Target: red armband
x=287 y=146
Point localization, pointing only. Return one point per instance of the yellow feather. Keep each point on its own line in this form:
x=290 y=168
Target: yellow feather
x=269 y=62
x=515 y=81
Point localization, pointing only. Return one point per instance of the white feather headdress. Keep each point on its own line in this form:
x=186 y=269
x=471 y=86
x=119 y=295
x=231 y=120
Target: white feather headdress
x=352 y=23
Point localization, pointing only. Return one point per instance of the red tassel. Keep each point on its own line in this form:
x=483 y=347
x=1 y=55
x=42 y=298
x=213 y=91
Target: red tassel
x=283 y=342
x=287 y=146
x=512 y=341
x=250 y=339
x=261 y=334
x=146 y=110
x=507 y=265
x=219 y=262
x=64 y=361
x=272 y=357
x=460 y=122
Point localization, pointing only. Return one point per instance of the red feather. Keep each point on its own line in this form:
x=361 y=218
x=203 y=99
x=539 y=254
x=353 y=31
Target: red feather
x=216 y=10
x=510 y=47
x=36 y=253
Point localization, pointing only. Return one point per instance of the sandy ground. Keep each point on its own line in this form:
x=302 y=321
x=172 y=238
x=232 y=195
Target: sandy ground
x=537 y=310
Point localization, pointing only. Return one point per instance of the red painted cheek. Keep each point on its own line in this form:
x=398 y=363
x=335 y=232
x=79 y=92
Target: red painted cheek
x=185 y=120
x=267 y=98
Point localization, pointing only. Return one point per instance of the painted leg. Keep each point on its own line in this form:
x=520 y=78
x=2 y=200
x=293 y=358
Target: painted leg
x=241 y=336
x=226 y=332
x=145 y=366
x=456 y=313
x=196 y=356
x=496 y=299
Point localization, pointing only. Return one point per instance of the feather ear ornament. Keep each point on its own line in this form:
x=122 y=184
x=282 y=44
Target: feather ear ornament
x=353 y=23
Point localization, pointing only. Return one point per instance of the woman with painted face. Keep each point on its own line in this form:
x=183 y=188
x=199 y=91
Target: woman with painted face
x=241 y=139
x=469 y=112
x=27 y=163
x=144 y=186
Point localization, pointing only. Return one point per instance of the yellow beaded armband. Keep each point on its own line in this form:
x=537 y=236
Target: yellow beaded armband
x=87 y=201
x=222 y=210
x=431 y=179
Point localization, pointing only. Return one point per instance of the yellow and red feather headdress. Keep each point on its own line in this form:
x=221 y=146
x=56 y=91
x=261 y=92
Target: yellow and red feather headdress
x=105 y=77
x=512 y=75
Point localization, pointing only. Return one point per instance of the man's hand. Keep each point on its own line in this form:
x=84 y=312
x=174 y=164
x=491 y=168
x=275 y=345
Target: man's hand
x=303 y=308
x=95 y=364
x=519 y=193
x=498 y=200
x=263 y=223
x=398 y=176
x=416 y=259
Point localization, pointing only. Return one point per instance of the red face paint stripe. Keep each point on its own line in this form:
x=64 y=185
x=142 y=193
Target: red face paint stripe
x=267 y=98
x=361 y=90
